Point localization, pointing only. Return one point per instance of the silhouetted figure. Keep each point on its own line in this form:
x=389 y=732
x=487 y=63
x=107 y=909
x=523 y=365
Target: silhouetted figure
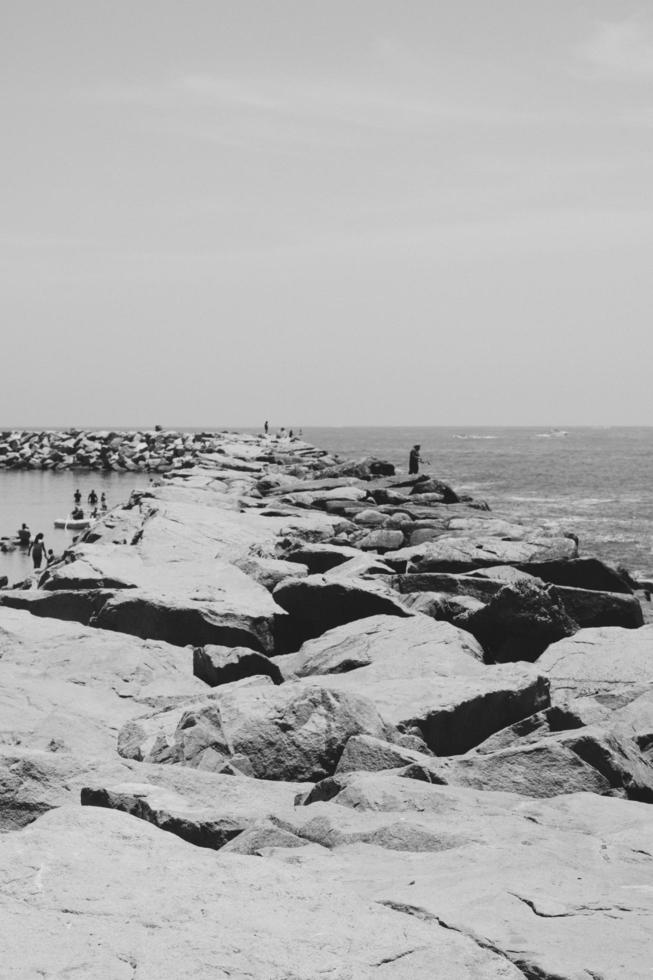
x=92 y=498
x=37 y=550
x=24 y=535
x=51 y=558
x=77 y=514
x=266 y=427
x=290 y=434
x=77 y=496
x=414 y=459
x=103 y=501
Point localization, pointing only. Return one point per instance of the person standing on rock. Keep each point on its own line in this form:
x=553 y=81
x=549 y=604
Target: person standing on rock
x=414 y=459
x=37 y=550
x=266 y=427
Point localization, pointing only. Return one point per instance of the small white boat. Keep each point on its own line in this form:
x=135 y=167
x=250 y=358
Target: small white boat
x=71 y=524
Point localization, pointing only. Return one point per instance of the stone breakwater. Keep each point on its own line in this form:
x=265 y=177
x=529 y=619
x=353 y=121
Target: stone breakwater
x=283 y=715
x=155 y=451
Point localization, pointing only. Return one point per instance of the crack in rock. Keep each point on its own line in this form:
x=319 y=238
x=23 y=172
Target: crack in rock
x=425 y=916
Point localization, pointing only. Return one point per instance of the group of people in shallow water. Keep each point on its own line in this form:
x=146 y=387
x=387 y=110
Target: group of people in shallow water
x=92 y=500
x=36 y=548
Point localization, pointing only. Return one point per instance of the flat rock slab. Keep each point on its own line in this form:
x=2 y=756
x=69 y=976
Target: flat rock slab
x=159 y=907
x=579 y=573
x=225 y=622
x=408 y=647
x=560 y=888
x=461 y=554
x=184 y=532
x=65 y=687
x=206 y=809
x=612 y=664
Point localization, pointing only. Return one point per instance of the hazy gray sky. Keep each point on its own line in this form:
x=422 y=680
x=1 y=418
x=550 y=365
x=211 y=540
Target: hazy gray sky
x=342 y=212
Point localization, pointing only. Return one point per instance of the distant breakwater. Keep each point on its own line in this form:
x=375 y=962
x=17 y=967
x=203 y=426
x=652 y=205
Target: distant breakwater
x=149 y=451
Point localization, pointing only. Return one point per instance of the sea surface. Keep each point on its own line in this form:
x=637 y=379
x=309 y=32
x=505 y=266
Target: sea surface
x=39 y=497
x=595 y=482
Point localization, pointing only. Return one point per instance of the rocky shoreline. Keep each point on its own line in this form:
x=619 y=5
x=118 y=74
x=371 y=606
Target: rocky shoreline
x=286 y=716
x=145 y=451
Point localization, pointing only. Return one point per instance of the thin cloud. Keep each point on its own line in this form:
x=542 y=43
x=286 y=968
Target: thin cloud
x=328 y=101
x=619 y=49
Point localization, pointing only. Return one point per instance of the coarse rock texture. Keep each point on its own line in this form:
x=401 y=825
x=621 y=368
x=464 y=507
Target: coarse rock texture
x=586 y=607
x=424 y=677
x=611 y=664
x=559 y=887
x=70 y=688
x=519 y=622
x=155 y=906
x=414 y=644
x=293 y=760
x=293 y=732
x=461 y=554
x=580 y=573
x=204 y=808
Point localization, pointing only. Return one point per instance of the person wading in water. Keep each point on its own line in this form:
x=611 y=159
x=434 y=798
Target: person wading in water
x=37 y=551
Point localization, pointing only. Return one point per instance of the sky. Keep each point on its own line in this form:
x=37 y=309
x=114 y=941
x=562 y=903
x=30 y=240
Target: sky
x=353 y=212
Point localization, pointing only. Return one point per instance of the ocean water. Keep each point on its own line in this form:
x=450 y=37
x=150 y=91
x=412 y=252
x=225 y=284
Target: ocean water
x=38 y=498
x=595 y=482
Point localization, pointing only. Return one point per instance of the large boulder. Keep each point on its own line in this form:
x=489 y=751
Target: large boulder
x=425 y=678
x=72 y=606
x=586 y=607
x=417 y=645
x=293 y=732
x=382 y=540
x=590 y=607
x=33 y=781
x=430 y=485
x=583 y=761
x=519 y=622
x=579 y=573
x=65 y=693
x=316 y=604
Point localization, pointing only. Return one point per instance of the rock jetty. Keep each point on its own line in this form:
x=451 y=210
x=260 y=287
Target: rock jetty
x=282 y=715
x=149 y=451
